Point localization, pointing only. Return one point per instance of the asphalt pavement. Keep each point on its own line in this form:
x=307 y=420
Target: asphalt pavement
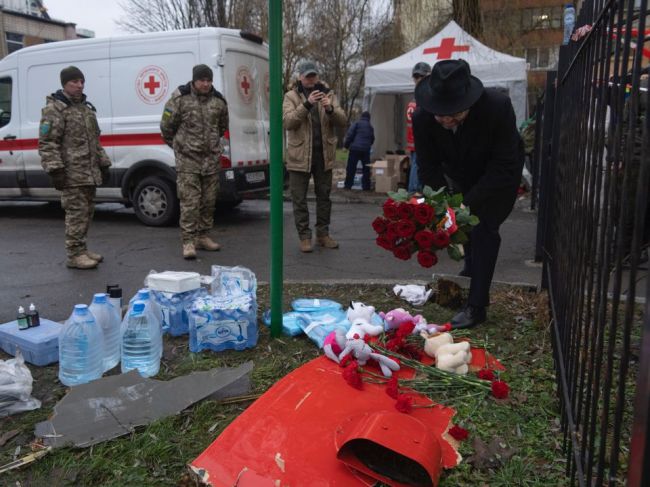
x=32 y=256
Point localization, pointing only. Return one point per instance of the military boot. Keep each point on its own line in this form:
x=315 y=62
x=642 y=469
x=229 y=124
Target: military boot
x=81 y=261
x=189 y=252
x=328 y=242
x=94 y=255
x=305 y=245
x=206 y=243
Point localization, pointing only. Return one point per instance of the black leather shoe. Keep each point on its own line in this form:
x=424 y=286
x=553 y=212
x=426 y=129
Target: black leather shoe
x=469 y=317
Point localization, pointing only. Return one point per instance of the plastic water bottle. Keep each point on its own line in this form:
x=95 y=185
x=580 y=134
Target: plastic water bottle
x=81 y=347
x=569 y=22
x=151 y=307
x=140 y=342
x=108 y=319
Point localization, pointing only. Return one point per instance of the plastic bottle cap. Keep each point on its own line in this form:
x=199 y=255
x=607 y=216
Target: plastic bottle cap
x=114 y=290
x=99 y=298
x=138 y=307
x=21 y=309
x=81 y=307
x=144 y=294
x=32 y=307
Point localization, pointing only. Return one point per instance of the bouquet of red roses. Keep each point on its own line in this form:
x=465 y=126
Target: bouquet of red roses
x=425 y=225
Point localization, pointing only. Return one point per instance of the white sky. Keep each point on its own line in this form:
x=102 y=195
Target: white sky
x=95 y=15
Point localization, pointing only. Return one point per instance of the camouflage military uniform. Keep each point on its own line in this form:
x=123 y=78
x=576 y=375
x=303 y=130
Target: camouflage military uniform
x=193 y=125
x=69 y=141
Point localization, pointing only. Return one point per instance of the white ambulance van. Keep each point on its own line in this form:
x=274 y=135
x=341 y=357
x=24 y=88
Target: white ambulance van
x=128 y=80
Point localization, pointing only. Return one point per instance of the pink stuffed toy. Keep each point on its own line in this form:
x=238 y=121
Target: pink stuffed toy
x=394 y=318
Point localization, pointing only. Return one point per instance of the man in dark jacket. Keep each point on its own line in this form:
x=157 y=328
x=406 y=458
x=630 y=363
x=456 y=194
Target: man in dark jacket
x=466 y=138
x=359 y=140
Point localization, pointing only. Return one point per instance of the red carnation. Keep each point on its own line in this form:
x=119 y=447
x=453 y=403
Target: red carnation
x=423 y=213
x=486 y=374
x=352 y=376
x=392 y=388
x=424 y=238
x=447 y=327
x=394 y=344
x=500 y=389
x=405 y=210
x=458 y=433
x=390 y=209
x=385 y=242
x=402 y=252
x=404 y=403
x=405 y=228
x=379 y=224
x=441 y=239
x=427 y=259
x=405 y=329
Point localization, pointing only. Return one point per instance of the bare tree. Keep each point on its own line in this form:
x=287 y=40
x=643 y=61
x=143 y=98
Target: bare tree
x=467 y=14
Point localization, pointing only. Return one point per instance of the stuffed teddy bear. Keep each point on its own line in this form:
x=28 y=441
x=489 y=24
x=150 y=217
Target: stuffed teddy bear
x=362 y=352
x=450 y=356
x=360 y=316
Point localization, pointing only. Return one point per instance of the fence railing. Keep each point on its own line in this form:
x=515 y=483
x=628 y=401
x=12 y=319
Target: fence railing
x=593 y=234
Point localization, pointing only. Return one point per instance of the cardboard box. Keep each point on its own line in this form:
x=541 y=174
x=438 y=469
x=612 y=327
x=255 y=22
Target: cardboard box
x=399 y=165
x=384 y=184
x=381 y=168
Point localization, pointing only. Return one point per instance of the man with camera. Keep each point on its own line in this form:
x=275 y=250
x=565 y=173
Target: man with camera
x=310 y=115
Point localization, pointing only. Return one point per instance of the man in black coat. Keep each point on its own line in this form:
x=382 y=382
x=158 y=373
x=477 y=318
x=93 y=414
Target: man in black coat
x=466 y=138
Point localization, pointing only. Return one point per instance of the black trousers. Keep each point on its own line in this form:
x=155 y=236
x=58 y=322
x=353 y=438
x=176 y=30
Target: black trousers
x=482 y=250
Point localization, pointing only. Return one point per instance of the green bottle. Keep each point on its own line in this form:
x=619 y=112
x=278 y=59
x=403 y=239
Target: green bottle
x=23 y=322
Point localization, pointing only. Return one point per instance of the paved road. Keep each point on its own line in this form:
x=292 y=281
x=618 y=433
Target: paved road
x=32 y=260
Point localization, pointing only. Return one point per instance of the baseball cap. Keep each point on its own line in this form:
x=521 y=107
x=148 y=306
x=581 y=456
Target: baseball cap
x=307 y=68
x=421 y=68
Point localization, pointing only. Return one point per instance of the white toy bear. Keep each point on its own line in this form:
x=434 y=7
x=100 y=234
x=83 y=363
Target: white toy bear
x=360 y=316
x=450 y=356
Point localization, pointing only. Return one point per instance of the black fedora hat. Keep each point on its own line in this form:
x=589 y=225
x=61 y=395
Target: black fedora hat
x=449 y=89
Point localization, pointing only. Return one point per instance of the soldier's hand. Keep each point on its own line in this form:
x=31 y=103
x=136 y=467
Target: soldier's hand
x=106 y=174
x=58 y=179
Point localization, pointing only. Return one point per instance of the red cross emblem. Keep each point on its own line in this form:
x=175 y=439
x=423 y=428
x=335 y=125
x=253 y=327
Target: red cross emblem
x=446 y=48
x=245 y=85
x=152 y=84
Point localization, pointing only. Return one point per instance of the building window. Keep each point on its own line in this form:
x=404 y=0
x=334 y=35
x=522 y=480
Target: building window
x=541 y=57
x=14 y=42
x=541 y=18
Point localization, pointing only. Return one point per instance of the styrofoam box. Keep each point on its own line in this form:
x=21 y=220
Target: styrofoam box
x=39 y=345
x=174 y=282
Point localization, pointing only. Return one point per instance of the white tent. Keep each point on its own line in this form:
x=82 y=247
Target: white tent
x=389 y=86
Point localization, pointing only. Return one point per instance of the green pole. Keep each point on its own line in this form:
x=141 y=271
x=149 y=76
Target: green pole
x=277 y=169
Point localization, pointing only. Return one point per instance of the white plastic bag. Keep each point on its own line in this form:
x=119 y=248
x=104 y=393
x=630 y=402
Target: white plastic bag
x=16 y=386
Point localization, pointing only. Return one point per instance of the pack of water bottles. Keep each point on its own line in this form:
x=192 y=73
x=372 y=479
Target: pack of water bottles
x=226 y=319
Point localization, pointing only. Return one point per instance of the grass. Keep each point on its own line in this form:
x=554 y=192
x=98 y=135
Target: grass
x=157 y=454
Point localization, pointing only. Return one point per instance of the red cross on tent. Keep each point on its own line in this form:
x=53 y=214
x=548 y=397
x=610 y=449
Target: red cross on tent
x=152 y=84
x=446 y=48
x=245 y=85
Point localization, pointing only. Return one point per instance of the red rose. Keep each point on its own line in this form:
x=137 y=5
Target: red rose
x=390 y=209
x=385 y=242
x=391 y=231
x=405 y=228
x=500 y=389
x=404 y=403
x=427 y=259
x=352 y=376
x=405 y=210
x=486 y=374
x=405 y=329
x=423 y=213
x=379 y=224
x=402 y=252
x=424 y=238
x=458 y=433
x=392 y=388
x=441 y=239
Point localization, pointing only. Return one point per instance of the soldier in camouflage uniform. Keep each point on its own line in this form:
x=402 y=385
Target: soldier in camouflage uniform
x=193 y=122
x=75 y=161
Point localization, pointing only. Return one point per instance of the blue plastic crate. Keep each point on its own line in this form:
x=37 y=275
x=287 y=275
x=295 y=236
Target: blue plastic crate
x=39 y=345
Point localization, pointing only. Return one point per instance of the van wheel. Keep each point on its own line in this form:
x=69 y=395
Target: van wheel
x=155 y=202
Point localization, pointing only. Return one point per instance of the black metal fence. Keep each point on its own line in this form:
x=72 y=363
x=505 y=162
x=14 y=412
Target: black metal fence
x=593 y=234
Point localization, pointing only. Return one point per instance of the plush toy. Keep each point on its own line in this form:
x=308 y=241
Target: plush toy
x=334 y=344
x=362 y=352
x=394 y=318
x=450 y=356
x=360 y=316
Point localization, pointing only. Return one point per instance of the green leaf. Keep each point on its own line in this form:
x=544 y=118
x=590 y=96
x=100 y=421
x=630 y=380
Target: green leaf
x=456 y=200
x=455 y=251
x=427 y=192
x=399 y=195
x=459 y=237
x=473 y=220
